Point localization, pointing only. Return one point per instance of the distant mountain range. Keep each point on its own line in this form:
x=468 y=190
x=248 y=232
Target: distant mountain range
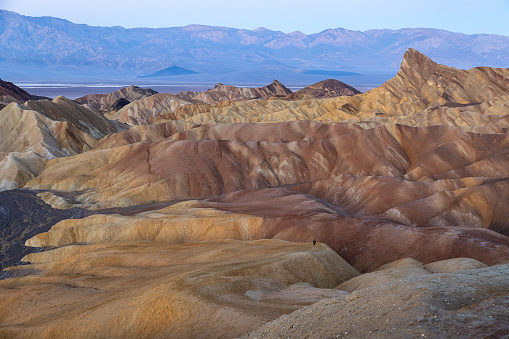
x=33 y=48
x=170 y=71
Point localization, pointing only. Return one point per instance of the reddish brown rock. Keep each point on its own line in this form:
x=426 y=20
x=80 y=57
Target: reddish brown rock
x=329 y=88
x=12 y=93
x=144 y=133
x=366 y=243
x=107 y=102
x=364 y=172
x=140 y=111
x=223 y=92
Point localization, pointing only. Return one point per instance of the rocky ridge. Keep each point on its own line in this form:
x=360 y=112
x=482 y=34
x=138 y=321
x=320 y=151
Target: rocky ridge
x=420 y=90
x=12 y=93
x=140 y=111
x=110 y=102
x=329 y=88
x=223 y=92
x=148 y=110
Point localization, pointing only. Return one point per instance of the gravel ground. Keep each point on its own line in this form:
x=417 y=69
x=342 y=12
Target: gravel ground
x=468 y=304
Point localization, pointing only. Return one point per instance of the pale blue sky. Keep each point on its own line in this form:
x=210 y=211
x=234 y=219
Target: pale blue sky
x=311 y=16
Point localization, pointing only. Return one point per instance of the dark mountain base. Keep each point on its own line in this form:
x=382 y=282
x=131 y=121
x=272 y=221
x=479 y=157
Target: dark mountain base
x=23 y=215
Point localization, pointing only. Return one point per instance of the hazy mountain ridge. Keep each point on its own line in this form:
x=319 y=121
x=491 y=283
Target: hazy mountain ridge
x=60 y=45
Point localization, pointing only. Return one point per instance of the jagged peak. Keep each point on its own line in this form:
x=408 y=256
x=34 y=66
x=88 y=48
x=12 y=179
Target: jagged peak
x=416 y=66
x=136 y=89
x=222 y=87
x=278 y=88
x=414 y=56
x=61 y=98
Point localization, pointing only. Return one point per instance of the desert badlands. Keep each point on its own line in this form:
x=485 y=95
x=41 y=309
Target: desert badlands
x=139 y=214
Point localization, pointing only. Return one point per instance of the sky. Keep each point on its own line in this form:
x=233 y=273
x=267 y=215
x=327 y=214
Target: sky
x=465 y=16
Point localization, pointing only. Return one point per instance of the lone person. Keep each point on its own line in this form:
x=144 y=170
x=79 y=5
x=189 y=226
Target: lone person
x=314 y=242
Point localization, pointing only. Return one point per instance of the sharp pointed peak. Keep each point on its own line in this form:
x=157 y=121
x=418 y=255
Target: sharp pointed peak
x=417 y=65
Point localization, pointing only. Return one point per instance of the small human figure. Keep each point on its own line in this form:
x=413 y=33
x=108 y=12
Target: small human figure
x=314 y=242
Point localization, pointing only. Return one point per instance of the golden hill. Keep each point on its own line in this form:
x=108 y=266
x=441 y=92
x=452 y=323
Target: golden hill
x=38 y=130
